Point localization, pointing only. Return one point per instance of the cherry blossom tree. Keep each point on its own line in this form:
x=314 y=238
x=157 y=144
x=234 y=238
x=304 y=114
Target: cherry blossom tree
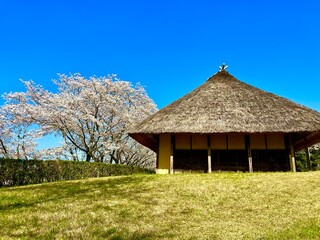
x=90 y=114
x=4 y=136
x=17 y=136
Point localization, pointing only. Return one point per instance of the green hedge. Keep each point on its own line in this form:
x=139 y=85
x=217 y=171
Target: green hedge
x=21 y=172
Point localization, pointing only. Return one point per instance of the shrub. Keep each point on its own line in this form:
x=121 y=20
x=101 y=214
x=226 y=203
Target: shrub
x=21 y=172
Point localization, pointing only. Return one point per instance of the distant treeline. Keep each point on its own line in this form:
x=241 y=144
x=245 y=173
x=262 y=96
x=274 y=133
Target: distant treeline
x=21 y=172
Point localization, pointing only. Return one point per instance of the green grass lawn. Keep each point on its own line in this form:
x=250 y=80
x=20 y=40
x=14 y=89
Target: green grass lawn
x=188 y=206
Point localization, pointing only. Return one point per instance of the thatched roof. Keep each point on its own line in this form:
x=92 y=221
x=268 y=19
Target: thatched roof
x=223 y=104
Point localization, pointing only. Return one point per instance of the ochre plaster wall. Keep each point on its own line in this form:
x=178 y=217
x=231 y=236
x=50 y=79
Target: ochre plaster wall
x=199 y=142
x=260 y=141
x=232 y=141
x=236 y=141
x=183 y=141
x=257 y=141
x=218 y=141
x=275 y=141
x=164 y=153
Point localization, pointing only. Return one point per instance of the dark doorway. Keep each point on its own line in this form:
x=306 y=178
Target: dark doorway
x=229 y=160
x=191 y=160
x=270 y=160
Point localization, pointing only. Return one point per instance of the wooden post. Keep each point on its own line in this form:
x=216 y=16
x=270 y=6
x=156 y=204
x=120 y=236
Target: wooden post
x=250 y=164
x=249 y=153
x=292 y=156
x=209 y=155
x=293 y=159
x=209 y=160
x=171 y=154
x=308 y=158
x=171 y=164
x=157 y=154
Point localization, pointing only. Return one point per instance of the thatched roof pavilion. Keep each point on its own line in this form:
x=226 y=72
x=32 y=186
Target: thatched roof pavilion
x=223 y=105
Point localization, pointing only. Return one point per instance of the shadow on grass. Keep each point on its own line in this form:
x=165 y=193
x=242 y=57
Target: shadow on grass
x=32 y=195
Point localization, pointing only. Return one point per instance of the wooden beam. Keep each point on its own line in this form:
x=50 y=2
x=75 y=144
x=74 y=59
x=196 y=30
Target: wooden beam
x=307 y=141
x=149 y=140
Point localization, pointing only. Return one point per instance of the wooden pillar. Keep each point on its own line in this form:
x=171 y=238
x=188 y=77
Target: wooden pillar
x=209 y=155
x=157 y=152
x=171 y=154
x=250 y=161
x=308 y=158
x=292 y=156
x=171 y=164
x=248 y=145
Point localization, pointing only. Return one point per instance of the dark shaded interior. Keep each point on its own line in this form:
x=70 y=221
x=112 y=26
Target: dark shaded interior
x=270 y=160
x=191 y=160
x=232 y=160
x=229 y=160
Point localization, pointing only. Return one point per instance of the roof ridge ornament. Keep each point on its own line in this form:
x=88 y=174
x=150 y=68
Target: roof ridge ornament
x=223 y=67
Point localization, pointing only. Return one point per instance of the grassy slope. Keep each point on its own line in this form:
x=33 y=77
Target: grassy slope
x=195 y=206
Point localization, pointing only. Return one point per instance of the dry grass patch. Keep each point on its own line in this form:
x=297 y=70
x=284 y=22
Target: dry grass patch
x=188 y=206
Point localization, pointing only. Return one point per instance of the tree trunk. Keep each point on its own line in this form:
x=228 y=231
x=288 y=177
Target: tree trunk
x=4 y=148
x=88 y=157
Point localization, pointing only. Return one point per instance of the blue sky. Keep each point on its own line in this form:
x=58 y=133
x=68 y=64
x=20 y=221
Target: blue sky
x=169 y=46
